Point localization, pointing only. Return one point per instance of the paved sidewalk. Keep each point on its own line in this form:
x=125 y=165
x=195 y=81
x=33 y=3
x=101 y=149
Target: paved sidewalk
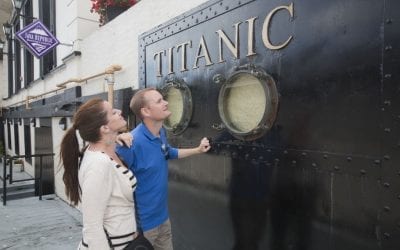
x=49 y=224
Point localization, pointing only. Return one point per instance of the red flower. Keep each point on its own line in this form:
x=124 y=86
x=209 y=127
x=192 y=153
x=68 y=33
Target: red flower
x=99 y=6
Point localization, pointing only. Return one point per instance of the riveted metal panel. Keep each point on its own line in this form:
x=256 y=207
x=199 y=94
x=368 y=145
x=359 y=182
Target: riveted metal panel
x=390 y=130
x=327 y=171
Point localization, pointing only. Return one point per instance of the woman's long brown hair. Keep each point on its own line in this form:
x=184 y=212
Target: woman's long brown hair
x=87 y=120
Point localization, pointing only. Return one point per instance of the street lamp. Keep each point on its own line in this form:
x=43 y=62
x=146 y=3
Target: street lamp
x=7 y=30
x=17 y=4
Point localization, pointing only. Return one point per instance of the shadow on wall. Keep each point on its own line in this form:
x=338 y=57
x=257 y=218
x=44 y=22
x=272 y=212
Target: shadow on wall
x=271 y=203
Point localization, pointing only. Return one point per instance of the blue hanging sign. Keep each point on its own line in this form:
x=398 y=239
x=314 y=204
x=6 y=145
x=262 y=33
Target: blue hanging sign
x=37 y=38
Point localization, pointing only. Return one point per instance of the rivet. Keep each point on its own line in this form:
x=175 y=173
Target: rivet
x=387 y=208
x=386 y=157
x=362 y=171
x=388 y=76
x=260 y=158
x=285 y=152
x=377 y=162
x=314 y=164
x=387 y=130
x=388 y=47
x=388 y=20
x=386 y=235
x=349 y=158
x=276 y=160
x=294 y=162
x=325 y=156
x=386 y=184
x=304 y=154
x=336 y=168
x=253 y=149
x=387 y=102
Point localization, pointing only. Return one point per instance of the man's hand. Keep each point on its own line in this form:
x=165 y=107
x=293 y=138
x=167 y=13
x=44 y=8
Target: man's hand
x=204 y=145
x=125 y=139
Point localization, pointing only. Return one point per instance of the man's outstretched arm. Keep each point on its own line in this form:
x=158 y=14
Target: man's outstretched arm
x=202 y=148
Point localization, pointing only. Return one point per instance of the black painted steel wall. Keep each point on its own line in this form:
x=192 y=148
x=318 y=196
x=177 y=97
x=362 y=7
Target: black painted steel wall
x=327 y=175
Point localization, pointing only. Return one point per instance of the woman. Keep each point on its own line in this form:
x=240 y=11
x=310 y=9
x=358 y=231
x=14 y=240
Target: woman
x=98 y=179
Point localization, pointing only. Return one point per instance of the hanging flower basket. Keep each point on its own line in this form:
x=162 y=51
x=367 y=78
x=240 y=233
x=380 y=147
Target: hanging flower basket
x=109 y=9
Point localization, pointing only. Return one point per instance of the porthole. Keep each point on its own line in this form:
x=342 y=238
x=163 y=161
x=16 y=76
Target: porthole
x=248 y=103
x=179 y=99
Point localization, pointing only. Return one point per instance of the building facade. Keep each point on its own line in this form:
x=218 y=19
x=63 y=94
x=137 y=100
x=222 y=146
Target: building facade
x=299 y=98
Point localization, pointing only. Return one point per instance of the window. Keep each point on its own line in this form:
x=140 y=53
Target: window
x=27 y=135
x=9 y=135
x=248 y=103
x=17 y=61
x=47 y=14
x=28 y=57
x=16 y=138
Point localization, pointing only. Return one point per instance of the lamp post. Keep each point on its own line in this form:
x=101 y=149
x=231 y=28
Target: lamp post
x=17 y=7
x=7 y=30
x=17 y=4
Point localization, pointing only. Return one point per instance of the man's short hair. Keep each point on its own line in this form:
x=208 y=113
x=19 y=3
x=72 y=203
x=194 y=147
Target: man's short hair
x=138 y=101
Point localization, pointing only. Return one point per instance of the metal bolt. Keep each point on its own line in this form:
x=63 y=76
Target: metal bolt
x=388 y=47
x=388 y=76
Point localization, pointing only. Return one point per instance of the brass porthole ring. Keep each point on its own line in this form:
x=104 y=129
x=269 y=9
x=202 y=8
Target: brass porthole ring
x=178 y=95
x=248 y=103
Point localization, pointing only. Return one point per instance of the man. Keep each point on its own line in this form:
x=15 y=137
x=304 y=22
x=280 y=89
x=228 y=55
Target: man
x=147 y=158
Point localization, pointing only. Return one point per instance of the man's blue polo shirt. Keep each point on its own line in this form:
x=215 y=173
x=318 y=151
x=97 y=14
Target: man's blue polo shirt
x=148 y=159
